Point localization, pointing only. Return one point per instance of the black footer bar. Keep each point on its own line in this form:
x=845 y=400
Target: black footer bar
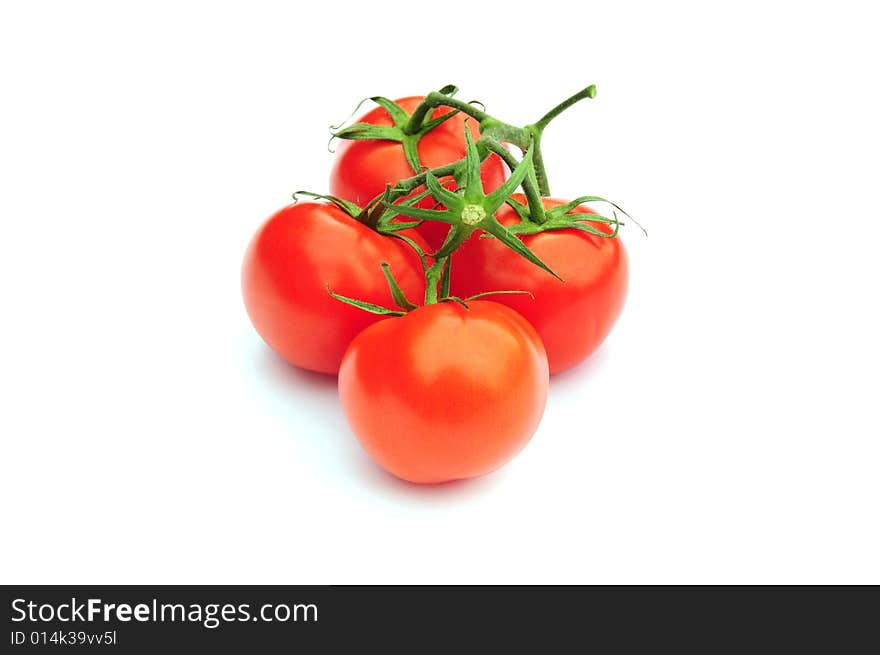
x=270 y=619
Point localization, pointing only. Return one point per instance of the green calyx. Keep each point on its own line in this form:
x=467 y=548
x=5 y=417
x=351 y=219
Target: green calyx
x=469 y=207
x=561 y=217
x=564 y=217
x=402 y=129
x=376 y=214
x=403 y=303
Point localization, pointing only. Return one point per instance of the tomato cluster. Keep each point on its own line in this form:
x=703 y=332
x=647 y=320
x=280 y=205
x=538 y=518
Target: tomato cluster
x=494 y=290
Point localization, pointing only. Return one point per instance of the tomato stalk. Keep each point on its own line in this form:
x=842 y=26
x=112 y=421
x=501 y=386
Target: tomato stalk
x=528 y=136
x=468 y=208
x=434 y=100
x=493 y=134
x=432 y=280
x=589 y=92
x=530 y=184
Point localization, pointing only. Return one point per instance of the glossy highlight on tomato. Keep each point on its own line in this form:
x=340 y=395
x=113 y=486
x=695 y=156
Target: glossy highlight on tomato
x=362 y=169
x=573 y=317
x=293 y=258
x=445 y=393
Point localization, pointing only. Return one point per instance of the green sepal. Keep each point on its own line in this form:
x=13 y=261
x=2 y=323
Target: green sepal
x=569 y=206
x=441 y=194
x=497 y=230
x=334 y=128
x=521 y=210
x=398 y=114
x=367 y=131
x=412 y=244
x=431 y=124
x=441 y=215
x=455 y=299
x=397 y=293
x=583 y=227
x=364 y=131
x=347 y=206
x=411 y=151
x=587 y=217
x=500 y=293
x=572 y=204
x=386 y=209
x=573 y=221
x=471 y=181
x=366 y=306
x=393 y=228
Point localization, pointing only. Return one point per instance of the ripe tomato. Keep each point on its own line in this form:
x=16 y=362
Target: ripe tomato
x=363 y=168
x=444 y=392
x=574 y=317
x=292 y=259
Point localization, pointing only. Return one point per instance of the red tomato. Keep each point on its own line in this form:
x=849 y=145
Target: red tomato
x=574 y=317
x=363 y=168
x=295 y=255
x=445 y=393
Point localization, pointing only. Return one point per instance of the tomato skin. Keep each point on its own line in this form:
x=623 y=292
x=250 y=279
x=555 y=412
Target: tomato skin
x=445 y=393
x=574 y=317
x=291 y=260
x=363 y=168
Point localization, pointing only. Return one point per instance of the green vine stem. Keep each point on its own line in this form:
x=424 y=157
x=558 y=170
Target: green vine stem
x=468 y=208
x=432 y=280
x=528 y=136
x=494 y=133
x=536 y=207
x=589 y=92
x=434 y=100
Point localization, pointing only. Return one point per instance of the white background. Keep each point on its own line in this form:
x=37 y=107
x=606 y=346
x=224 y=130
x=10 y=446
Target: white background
x=726 y=433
